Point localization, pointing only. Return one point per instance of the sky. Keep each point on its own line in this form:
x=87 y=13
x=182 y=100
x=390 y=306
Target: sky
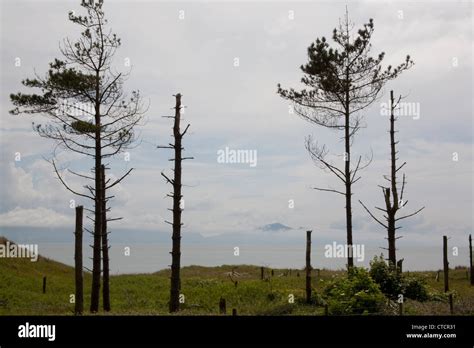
x=238 y=107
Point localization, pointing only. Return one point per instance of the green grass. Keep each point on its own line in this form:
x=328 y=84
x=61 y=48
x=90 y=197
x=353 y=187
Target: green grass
x=147 y=294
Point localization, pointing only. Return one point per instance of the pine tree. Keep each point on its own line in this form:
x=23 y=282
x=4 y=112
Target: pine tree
x=88 y=113
x=340 y=83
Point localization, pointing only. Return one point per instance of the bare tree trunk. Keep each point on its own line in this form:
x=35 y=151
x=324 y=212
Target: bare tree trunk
x=392 y=260
x=348 y=183
x=79 y=299
x=392 y=210
x=96 y=257
x=445 y=264
x=308 y=266
x=347 y=167
x=392 y=196
x=177 y=208
x=176 y=251
x=105 y=246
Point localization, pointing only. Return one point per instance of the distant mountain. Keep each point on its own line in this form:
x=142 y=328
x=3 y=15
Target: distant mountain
x=275 y=227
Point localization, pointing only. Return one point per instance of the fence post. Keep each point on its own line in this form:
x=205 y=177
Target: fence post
x=471 y=266
x=222 y=306
x=451 y=304
x=308 y=266
x=445 y=264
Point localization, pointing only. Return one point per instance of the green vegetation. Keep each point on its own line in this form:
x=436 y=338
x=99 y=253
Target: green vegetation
x=147 y=294
x=393 y=283
x=356 y=294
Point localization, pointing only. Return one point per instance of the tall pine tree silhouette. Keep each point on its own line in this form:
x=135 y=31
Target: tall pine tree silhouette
x=340 y=83
x=88 y=113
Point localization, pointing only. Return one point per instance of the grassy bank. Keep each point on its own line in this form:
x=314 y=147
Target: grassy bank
x=147 y=294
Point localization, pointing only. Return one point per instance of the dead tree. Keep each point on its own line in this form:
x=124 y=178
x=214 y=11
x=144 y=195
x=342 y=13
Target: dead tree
x=471 y=266
x=341 y=83
x=177 y=204
x=308 y=267
x=88 y=113
x=79 y=297
x=392 y=196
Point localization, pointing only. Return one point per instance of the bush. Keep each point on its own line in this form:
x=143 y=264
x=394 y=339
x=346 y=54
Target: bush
x=389 y=280
x=415 y=289
x=355 y=294
x=393 y=283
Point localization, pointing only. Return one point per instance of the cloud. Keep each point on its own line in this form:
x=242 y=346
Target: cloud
x=34 y=217
x=239 y=108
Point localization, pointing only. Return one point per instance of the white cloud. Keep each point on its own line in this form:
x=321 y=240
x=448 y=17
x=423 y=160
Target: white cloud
x=240 y=108
x=35 y=217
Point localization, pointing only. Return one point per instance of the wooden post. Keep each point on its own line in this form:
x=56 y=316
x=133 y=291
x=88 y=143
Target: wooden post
x=262 y=270
x=79 y=299
x=400 y=308
x=445 y=264
x=400 y=266
x=234 y=312
x=308 y=266
x=44 y=285
x=451 y=304
x=471 y=266
x=222 y=306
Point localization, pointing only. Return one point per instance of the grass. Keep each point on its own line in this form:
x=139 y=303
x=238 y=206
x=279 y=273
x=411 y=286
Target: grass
x=147 y=294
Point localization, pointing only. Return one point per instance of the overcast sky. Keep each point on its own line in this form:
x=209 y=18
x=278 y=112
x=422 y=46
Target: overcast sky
x=238 y=107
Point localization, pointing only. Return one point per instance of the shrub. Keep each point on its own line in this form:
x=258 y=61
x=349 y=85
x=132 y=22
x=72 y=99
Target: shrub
x=355 y=294
x=389 y=280
x=393 y=283
x=415 y=289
